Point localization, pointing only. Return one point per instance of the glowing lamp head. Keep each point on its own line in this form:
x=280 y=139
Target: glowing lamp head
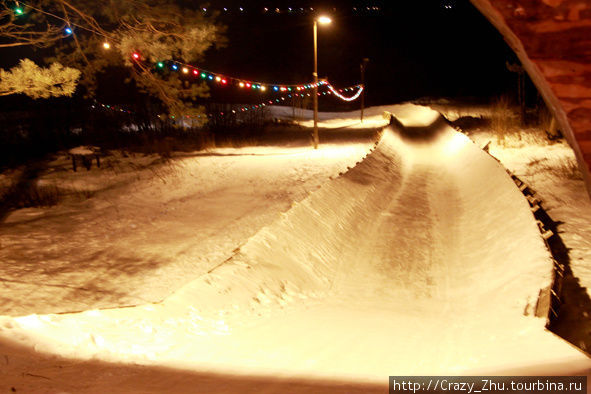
x=135 y=55
x=106 y=45
x=185 y=70
x=324 y=20
x=68 y=30
x=19 y=11
x=241 y=84
x=195 y=72
x=175 y=67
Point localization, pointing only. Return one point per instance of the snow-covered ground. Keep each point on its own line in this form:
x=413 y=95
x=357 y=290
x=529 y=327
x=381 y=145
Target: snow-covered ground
x=422 y=259
x=149 y=227
x=551 y=170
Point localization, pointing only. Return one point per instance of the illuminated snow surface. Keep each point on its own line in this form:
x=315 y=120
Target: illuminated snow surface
x=423 y=259
x=151 y=226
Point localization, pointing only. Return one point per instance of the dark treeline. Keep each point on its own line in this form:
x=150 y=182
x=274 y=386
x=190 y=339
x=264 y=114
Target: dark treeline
x=31 y=129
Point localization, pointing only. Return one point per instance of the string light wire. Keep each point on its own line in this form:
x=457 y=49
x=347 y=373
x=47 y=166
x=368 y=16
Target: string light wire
x=352 y=98
x=68 y=23
x=244 y=108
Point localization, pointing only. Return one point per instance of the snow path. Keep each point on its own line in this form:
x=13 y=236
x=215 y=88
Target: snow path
x=422 y=259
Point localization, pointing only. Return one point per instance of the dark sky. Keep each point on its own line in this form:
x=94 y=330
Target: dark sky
x=416 y=48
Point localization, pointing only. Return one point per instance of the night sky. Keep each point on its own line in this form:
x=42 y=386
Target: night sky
x=419 y=48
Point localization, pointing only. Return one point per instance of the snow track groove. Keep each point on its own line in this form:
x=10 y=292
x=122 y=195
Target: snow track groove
x=417 y=216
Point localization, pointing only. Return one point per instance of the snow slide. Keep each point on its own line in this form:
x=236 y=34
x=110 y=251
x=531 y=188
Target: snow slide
x=422 y=259
x=426 y=217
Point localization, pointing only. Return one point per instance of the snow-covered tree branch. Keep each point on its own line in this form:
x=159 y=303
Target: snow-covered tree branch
x=37 y=82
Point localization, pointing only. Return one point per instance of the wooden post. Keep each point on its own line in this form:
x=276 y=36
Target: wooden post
x=518 y=69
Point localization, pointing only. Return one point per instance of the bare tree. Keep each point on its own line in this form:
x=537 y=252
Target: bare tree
x=18 y=28
x=132 y=35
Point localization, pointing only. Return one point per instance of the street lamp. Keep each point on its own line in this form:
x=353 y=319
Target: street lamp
x=363 y=67
x=324 y=20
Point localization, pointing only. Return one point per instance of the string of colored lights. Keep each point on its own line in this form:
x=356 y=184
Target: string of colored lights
x=271 y=10
x=285 y=10
x=176 y=65
x=354 y=97
x=207 y=75
x=19 y=10
x=199 y=72
x=242 y=83
x=244 y=108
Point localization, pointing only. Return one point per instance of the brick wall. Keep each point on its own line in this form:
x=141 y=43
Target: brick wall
x=552 y=38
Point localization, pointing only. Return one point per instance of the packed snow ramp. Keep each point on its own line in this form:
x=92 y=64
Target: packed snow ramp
x=427 y=217
x=422 y=259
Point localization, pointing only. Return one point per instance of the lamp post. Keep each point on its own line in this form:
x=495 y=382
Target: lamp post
x=324 y=20
x=363 y=66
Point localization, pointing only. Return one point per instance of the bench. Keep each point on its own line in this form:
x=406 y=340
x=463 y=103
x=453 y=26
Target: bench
x=85 y=154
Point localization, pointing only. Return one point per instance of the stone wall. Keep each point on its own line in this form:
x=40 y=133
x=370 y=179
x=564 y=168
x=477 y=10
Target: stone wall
x=552 y=38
